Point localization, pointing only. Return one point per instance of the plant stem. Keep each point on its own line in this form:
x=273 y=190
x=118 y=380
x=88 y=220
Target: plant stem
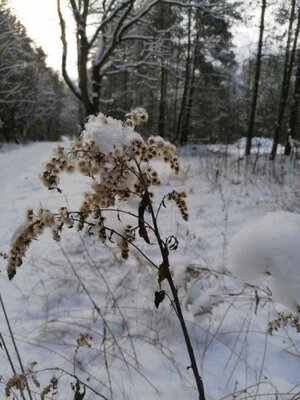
x=15 y=346
x=10 y=360
x=165 y=256
x=7 y=354
x=189 y=346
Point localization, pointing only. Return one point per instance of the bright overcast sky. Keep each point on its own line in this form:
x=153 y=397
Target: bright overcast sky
x=41 y=21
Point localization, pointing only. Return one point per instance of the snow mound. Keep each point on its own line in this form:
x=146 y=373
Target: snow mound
x=270 y=246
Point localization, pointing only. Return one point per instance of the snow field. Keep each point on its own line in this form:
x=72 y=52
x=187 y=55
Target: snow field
x=270 y=246
x=49 y=308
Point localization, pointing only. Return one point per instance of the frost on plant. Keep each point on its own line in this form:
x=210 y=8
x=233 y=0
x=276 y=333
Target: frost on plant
x=119 y=161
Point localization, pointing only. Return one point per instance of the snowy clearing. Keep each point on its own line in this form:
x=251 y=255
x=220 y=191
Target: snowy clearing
x=137 y=348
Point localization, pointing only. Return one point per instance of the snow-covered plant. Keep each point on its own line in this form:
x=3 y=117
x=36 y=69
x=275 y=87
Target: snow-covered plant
x=120 y=165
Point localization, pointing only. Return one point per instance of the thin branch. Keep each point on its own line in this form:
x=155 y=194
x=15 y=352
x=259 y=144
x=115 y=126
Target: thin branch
x=8 y=355
x=106 y=21
x=15 y=346
x=73 y=376
x=93 y=302
x=66 y=76
x=165 y=256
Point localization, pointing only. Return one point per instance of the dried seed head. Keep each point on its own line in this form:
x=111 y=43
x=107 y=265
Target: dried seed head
x=136 y=117
x=17 y=382
x=123 y=171
x=84 y=340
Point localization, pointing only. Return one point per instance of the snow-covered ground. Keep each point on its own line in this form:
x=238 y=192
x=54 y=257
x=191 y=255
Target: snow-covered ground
x=260 y=145
x=77 y=286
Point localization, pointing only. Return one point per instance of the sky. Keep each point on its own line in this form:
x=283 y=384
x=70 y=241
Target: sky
x=41 y=21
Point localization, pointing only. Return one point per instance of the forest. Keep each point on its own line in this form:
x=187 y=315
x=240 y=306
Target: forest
x=177 y=61
x=150 y=203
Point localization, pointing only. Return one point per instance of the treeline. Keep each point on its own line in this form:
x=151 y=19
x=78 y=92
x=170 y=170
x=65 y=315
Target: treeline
x=173 y=57
x=182 y=70
x=189 y=77
x=287 y=96
x=176 y=59
x=34 y=103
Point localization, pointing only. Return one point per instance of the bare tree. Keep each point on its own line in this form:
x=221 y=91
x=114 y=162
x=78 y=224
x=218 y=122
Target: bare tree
x=102 y=26
x=294 y=116
x=94 y=50
x=256 y=80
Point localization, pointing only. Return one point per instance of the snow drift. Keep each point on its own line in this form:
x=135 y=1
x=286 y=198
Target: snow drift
x=270 y=246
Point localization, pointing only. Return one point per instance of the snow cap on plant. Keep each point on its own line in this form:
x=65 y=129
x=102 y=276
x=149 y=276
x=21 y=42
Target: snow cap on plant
x=108 y=133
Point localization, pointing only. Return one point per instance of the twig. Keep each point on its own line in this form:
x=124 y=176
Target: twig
x=73 y=376
x=15 y=346
x=165 y=256
x=7 y=354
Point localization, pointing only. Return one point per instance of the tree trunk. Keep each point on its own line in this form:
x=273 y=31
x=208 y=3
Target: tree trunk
x=294 y=116
x=96 y=86
x=162 y=102
x=186 y=83
x=256 y=80
x=82 y=62
x=176 y=90
x=187 y=114
x=287 y=72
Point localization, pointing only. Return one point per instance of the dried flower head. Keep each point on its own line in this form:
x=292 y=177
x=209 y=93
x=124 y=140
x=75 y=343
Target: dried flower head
x=84 y=340
x=17 y=382
x=283 y=320
x=136 y=117
x=51 y=387
x=31 y=372
x=180 y=199
x=120 y=162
